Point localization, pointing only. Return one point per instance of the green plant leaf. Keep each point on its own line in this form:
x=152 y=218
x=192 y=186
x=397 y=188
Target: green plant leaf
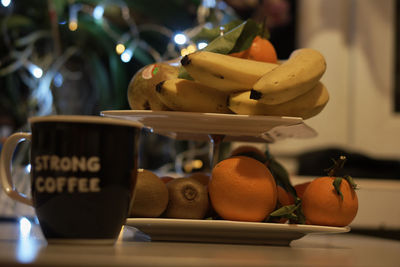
x=60 y=6
x=351 y=181
x=292 y=212
x=16 y=21
x=235 y=40
x=118 y=78
x=239 y=38
x=250 y=30
x=208 y=35
x=284 y=211
x=90 y=36
x=336 y=183
x=280 y=174
x=100 y=80
x=301 y=219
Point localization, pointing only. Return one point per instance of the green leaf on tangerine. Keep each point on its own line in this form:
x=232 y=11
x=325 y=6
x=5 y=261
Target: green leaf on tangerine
x=285 y=210
x=336 y=183
x=351 y=181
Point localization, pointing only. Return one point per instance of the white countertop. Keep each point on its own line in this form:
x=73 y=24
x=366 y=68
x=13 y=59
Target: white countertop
x=19 y=246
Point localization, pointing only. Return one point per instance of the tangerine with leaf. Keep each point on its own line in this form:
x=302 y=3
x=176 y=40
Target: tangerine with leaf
x=330 y=200
x=261 y=49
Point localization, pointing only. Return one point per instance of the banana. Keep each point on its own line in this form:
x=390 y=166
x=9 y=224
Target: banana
x=225 y=73
x=186 y=95
x=294 y=77
x=306 y=105
x=141 y=95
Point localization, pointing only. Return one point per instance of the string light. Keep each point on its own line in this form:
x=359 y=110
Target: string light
x=180 y=38
x=189 y=49
x=98 y=12
x=36 y=71
x=131 y=47
x=221 y=30
x=197 y=163
x=5 y=3
x=201 y=45
x=73 y=25
x=125 y=43
x=184 y=52
x=125 y=40
x=126 y=56
x=119 y=48
x=58 y=80
x=192 y=165
x=73 y=17
x=209 y=3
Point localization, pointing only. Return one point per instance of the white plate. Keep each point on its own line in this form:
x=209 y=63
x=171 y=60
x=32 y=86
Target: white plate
x=222 y=231
x=198 y=126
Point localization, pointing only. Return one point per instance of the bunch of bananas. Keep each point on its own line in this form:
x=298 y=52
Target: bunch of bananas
x=226 y=84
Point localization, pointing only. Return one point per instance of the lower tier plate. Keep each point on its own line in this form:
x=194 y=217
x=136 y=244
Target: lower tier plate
x=223 y=231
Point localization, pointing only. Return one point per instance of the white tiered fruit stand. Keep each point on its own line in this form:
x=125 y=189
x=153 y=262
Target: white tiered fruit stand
x=217 y=127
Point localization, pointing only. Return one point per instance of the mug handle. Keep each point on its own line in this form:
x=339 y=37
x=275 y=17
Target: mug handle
x=6 y=163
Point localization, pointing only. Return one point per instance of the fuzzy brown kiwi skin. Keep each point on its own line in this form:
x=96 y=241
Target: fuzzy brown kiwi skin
x=151 y=196
x=188 y=199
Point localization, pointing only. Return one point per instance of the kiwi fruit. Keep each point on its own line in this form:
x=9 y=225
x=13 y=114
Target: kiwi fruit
x=202 y=177
x=151 y=195
x=188 y=199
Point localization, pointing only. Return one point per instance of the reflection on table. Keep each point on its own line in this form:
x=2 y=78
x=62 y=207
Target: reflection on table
x=21 y=242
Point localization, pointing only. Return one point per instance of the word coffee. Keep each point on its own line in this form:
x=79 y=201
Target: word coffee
x=67 y=183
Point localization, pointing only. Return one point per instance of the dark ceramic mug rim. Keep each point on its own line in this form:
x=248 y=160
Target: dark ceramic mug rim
x=85 y=119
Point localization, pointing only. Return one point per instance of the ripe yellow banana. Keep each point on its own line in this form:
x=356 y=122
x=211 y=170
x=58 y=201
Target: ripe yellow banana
x=306 y=105
x=223 y=72
x=294 y=77
x=141 y=95
x=185 y=95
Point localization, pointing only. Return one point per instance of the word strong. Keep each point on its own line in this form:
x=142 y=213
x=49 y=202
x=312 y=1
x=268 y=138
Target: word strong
x=67 y=169
x=66 y=164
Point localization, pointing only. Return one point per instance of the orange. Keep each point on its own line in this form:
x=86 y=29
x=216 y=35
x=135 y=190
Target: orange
x=242 y=189
x=284 y=199
x=249 y=151
x=260 y=50
x=300 y=188
x=322 y=205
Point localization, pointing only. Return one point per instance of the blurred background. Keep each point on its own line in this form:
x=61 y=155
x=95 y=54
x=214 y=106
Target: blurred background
x=78 y=57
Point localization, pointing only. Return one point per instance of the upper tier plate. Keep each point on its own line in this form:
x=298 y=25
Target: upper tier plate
x=198 y=126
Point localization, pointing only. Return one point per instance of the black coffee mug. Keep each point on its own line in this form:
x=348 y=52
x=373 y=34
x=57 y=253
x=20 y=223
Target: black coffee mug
x=83 y=171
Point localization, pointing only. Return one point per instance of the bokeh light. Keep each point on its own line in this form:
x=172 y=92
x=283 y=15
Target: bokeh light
x=119 y=48
x=180 y=39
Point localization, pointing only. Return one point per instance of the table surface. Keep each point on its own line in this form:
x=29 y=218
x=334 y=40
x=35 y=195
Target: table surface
x=23 y=243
